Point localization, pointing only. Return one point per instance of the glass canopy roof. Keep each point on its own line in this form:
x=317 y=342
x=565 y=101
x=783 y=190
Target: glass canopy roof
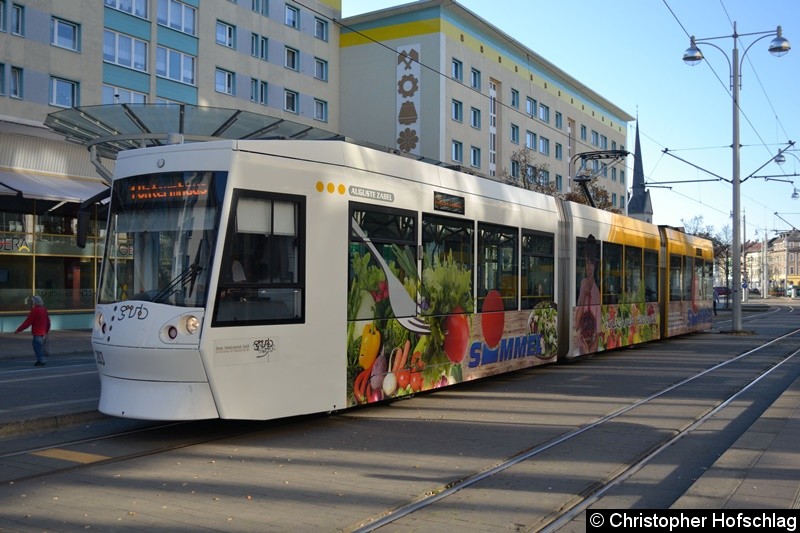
x=114 y=127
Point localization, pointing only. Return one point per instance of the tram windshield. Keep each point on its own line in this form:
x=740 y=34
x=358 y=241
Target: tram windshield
x=161 y=238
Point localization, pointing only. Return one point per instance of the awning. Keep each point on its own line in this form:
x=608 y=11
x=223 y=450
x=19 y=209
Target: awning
x=29 y=192
x=34 y=186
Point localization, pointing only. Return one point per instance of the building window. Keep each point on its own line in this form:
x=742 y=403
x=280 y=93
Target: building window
x=544 y=113
x=223 y=81
x=291 y=60
x=176 y=15
x=2 y=72
x=226 y=34
x=559 y=151
x=544 y=177
x=475 y=156
x=64 y=34
x=544 y=145
x=63 y=93
x=320 y=110
x=260 y=6
x=515 y=134
x=475 y=118
x=457 y=151
x=559 y=120
x=2 y=16
x=530 y=107
x=118 y=95
x=320 y=69
x=15 y=83
x=124 y=50
x=603 y=142
x=595 y=138
x=530 y=140
x=17 y=20
x=457 y=111
x=613 y=174
x=622 y=177
x=134 y=7
x=258 y=91
x=290 y=101
x=515 y=98
x=457 y=70
x=475 y=79
x=259 y=46
x=622 y=202
x=292 y=17
x=321 y=29
x=614 y=199
x=559 y=182
x=175 y=65
x=583 y=132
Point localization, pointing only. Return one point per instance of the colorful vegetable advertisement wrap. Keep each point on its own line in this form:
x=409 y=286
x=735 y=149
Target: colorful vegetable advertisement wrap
x=385 y=360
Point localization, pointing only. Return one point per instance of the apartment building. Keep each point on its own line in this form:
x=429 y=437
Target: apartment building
x=429 y=78
x=439 y=82
x=265 y=60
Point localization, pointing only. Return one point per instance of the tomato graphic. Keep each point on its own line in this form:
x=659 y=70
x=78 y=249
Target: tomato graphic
x=456 y=335
x=493 y=318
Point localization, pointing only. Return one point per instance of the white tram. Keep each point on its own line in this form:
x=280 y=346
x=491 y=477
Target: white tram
x=265 y=279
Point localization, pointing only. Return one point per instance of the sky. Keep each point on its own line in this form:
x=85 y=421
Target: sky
x=630 y=52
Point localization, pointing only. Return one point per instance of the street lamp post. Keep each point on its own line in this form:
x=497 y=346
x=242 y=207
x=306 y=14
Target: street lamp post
x=778 y=46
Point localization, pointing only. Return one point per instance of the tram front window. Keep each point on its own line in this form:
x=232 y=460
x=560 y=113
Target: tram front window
x=161 y=238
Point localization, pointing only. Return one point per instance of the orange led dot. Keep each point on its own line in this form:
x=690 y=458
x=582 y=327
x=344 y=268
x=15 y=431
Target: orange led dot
x=320 y=186
x=331 y=187
x=342 y=188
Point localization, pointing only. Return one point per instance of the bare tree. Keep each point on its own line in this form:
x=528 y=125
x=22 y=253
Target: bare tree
x=696 y=226
x=530 y=174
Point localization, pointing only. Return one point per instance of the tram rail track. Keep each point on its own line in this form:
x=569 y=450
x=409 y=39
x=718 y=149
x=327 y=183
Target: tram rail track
x=571 y=509
x=444 y=493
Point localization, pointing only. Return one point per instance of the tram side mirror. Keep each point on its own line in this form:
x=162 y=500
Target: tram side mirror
x=83 y=228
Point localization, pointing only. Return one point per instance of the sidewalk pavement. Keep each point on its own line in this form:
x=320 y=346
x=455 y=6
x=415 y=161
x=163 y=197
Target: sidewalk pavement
x=62 y=342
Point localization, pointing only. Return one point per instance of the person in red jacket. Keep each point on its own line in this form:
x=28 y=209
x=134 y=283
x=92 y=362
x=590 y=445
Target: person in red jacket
x=39 y=322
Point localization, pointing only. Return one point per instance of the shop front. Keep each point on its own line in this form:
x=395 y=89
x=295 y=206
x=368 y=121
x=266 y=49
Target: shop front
x=39 y=255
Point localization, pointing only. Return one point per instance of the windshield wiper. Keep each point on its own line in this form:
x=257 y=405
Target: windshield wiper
x=190 y=271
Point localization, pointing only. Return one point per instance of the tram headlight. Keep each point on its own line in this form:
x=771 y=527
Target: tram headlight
x=100 y=321
x=192 y=324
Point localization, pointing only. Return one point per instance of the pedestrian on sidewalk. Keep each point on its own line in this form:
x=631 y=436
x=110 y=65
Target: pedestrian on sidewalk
x=39 y=322
x=716 y=301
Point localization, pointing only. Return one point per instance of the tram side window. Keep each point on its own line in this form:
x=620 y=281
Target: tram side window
x=688 y=279
x=587 y=262
x=261 y=277
x=392 y=234
x=538 y=268
x=634 y=290
x=498 y=267
x=699 y=269
x=612 y=272
x=675 y=286
x=448 y=261
x=708 y=280
x=651 y=287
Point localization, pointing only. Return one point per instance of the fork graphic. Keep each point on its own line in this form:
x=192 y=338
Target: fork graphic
x=403 y=307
